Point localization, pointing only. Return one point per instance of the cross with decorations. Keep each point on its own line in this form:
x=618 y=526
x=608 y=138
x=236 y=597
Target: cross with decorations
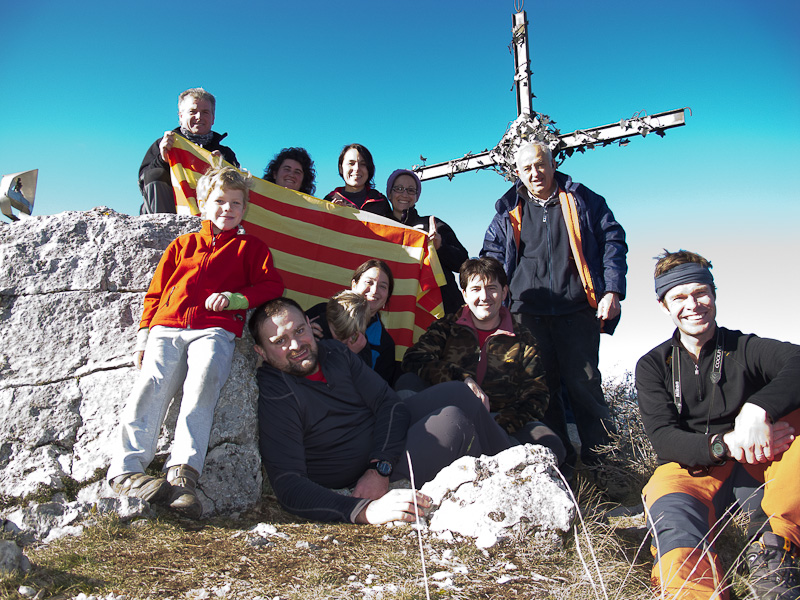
x=532 y=126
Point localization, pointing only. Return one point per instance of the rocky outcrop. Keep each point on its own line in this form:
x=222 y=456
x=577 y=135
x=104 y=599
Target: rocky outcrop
x=517 y=494
x=71 y=291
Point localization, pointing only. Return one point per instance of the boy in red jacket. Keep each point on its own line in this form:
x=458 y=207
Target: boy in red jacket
x=194 y=309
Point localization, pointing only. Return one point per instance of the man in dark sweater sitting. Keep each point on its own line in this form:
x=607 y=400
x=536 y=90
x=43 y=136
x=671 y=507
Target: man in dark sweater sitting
x=327 y=421
x=721 y=408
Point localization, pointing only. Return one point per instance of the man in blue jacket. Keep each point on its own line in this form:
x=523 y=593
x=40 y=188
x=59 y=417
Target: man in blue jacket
x=564 y=254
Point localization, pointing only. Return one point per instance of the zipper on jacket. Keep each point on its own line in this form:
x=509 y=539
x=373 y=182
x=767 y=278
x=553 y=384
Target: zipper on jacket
x=169 y=295
x=549 y=257
x=699 y=382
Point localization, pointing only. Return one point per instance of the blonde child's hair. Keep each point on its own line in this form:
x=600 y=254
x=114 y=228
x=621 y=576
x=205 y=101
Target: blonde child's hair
x=224 y=178
x=347 y=314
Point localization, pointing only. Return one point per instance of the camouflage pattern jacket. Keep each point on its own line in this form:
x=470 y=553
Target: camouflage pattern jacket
x=508 y=368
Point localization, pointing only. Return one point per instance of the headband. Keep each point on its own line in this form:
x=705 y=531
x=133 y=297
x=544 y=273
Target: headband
x=686 y=273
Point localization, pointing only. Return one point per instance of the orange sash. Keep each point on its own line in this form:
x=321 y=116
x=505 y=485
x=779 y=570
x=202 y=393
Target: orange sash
x=570 y=211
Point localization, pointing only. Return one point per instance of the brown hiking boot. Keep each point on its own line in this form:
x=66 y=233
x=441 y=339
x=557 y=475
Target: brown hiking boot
x=774 y=569
x=138 y=485
x=184 y=500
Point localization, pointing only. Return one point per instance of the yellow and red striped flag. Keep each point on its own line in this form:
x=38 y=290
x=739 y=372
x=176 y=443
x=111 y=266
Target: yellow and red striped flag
x=317 y=245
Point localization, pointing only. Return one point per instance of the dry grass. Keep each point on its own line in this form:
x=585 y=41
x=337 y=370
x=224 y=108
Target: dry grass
x=169 y=558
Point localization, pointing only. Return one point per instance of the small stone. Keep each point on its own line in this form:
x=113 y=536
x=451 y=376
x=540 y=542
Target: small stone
x=10 y=556
x=26 y=591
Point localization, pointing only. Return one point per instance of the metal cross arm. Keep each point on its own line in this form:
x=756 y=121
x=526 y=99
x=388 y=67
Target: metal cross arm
x=532 y=126
x=501 y=157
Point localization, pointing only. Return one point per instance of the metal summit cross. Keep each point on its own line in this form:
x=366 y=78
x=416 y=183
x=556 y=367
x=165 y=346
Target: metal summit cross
x=531 y=126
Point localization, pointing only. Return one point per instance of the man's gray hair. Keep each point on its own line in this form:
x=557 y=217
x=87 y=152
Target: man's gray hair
x=541 y=147
x=198 y=94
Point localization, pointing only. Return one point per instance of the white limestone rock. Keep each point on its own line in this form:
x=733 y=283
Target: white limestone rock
x=71 y=292
x=515 y=494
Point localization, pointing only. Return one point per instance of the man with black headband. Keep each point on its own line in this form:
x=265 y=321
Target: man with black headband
x=721 y=409
x=196 y=109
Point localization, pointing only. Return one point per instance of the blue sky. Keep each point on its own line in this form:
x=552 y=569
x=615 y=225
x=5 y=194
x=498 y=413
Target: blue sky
x=88 y=86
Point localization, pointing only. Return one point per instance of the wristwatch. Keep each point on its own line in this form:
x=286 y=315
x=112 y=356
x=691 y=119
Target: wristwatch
x=383 y=467
x=719 y=449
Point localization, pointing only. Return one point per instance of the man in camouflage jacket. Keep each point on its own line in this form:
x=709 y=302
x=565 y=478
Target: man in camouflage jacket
x=487 y=348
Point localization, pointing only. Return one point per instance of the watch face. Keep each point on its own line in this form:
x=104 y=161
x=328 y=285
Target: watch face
x=384 y=467
x=718 y=448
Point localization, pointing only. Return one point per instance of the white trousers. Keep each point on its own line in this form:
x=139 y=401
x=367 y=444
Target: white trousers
x=200 y=359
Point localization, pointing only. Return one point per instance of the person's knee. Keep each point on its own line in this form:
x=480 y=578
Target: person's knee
x=410 y=382
x=453 y=429
x=156 y=174
x=538 y=433
x=158 y=198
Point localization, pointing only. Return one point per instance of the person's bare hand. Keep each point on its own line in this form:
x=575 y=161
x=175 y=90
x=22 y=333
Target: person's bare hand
x=396 y=505
x=476 y=389
x=371 y=485
x=751 y=440
x=138 y=356
x=782 y=438
x=166 y=143
x=316 y=328
x=608 y=307
x=357 y=345
x=433 y=236
x=216 y=302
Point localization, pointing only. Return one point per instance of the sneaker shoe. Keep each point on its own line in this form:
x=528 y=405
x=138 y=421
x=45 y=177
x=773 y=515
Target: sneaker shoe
x=774 y=569
x=138 y=485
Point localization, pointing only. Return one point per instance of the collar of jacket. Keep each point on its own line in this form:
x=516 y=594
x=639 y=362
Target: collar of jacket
x=215 y=137
x=222 y=236
x=506 y=326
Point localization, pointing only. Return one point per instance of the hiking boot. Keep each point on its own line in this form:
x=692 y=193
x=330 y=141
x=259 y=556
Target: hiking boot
x=774 y=569
x=138 y=485
x=184 y=500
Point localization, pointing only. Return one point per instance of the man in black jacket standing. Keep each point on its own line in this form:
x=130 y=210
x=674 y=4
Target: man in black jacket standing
x=196 y=108
x=721 y=409
x=564 y=255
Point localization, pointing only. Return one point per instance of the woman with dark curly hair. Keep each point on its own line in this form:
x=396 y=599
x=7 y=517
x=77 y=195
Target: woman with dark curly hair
x=357 y=169
x=292 y=168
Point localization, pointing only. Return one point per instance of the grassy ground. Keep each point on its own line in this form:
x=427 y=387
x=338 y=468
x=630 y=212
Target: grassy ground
x=170 y=558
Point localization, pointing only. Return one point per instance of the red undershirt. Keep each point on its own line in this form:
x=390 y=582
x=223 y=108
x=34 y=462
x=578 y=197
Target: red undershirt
x=318 y=376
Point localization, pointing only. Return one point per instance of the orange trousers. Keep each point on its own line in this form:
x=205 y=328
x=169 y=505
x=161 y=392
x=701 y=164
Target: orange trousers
x=686 y=512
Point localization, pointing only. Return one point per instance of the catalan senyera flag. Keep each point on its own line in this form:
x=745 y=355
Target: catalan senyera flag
x=317 y=245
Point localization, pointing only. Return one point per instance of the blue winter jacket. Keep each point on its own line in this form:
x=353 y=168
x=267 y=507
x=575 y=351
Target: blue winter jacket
x=603 y=238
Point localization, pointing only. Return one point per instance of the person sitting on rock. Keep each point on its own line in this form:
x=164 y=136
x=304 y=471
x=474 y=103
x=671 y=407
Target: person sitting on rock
x=486 y=347
x=292 y=168
x=327 y=421
x=196 y=110
x=357 y=169
x=403 y=188
x=372 y=279
x=346 y=319
x=721 y=409
x=193 y=311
